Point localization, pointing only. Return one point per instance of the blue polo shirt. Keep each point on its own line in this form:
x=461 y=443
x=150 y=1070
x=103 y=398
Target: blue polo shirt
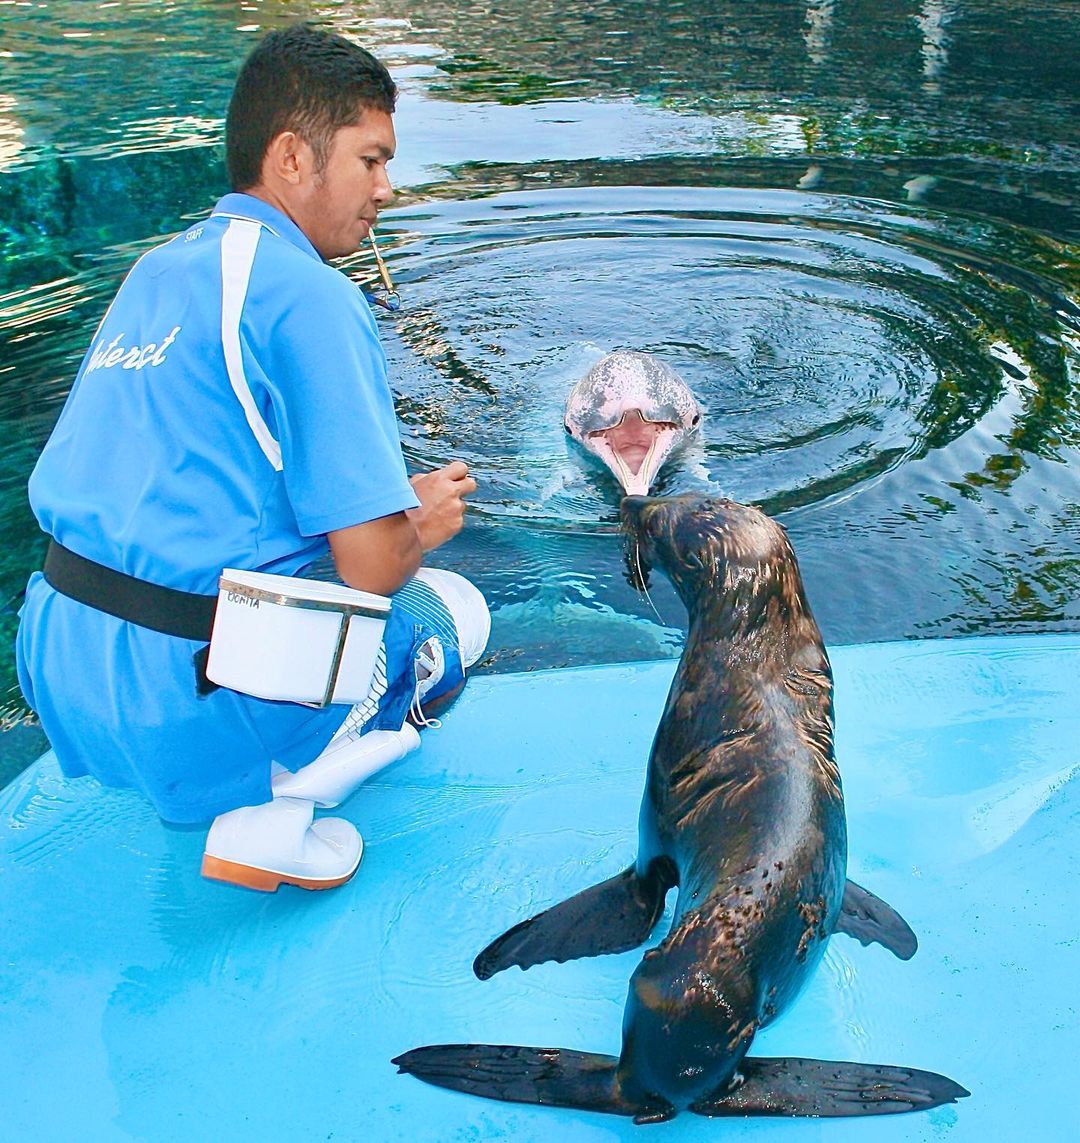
x=232 y=409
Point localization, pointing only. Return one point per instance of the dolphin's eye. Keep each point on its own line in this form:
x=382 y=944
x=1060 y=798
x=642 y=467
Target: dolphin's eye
x=693 y=423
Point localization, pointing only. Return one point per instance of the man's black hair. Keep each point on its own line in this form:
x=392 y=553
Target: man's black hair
x=305 y=80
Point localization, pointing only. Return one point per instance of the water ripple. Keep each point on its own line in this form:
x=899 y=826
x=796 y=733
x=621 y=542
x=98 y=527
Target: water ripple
x=830 y=339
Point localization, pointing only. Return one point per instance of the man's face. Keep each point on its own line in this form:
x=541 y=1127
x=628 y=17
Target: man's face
x=347 y=195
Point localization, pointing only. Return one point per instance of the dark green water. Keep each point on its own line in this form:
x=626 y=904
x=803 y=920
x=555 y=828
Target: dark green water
x=853 y=227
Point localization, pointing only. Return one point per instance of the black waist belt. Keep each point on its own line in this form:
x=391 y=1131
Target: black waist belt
x=164 y=609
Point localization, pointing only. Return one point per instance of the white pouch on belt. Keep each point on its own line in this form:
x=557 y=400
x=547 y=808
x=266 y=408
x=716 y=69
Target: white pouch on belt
x=297 y=640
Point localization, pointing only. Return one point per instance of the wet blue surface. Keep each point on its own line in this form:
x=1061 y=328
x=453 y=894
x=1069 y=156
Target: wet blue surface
x=141 y=1002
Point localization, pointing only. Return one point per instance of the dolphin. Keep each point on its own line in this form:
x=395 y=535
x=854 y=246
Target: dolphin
x=631 y=410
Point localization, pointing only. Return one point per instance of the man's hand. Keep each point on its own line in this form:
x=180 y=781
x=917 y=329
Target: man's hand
x=382 y=554
x=441 y=493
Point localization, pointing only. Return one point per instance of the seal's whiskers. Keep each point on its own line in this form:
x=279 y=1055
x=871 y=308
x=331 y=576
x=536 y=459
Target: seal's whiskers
x=641 y=580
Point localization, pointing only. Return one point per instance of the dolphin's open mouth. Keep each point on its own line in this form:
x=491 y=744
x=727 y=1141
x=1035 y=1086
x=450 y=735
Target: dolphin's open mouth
x=634 y=449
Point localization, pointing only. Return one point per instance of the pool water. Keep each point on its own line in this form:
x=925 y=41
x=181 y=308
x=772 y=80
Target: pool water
x=142 y=1002
x=852 y=227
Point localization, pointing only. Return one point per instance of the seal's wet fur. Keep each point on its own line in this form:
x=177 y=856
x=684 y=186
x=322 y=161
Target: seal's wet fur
x=743 y=810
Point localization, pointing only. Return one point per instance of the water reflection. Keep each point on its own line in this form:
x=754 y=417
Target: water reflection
x=869 y=72
x=818 y=30
x=933 y=22
x=11 y=133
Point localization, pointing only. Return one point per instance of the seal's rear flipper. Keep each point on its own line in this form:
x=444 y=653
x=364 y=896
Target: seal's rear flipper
x=822 y=1087
x=550 y=1076
x=868 y=919
x=616 y=915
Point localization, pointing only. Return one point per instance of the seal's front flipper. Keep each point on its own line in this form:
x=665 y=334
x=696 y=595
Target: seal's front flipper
x=616 y=915
x=550 y=1076
x=868 y=919
x=823 y=1087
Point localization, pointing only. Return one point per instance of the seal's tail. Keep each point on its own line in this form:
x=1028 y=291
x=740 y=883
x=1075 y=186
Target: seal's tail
x=830 y=1088
x=588 y=1082
x=553 y=1076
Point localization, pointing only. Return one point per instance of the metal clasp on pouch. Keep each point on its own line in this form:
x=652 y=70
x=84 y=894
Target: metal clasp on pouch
x=255 y=595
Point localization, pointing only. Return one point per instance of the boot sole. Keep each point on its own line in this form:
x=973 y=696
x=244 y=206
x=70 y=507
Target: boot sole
x=263 y=880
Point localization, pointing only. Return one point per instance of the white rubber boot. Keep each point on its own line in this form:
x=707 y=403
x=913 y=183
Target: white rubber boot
x=262 y=847
x=346 y=762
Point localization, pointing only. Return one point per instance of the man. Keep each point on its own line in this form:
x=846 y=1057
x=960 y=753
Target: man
x=233 y=411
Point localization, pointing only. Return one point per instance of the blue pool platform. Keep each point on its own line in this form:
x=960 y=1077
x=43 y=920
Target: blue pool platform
x=140 y=1002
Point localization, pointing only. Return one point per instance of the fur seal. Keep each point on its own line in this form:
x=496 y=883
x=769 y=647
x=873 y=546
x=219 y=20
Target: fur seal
x=631 y=410
x=743 y=811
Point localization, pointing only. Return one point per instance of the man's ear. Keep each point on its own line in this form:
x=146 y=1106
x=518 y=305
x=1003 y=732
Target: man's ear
x=288 y=159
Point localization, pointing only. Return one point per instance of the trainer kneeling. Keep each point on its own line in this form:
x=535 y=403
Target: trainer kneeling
x=233 y=417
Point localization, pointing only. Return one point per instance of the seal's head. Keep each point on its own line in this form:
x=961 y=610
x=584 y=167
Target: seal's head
x=715 y=551
x=630 y=410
